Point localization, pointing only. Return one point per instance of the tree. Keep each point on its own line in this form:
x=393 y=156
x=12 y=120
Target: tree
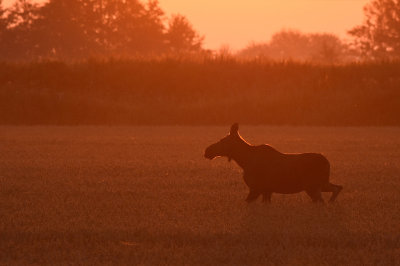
x=133 y=28
x=290 y=44
x=19 y=19
x=61 y=31
x=255 y=50
x=3 y=22
x=3 y=31
x=78 y=29
x=321 y=48
x=181 y=37
x=75 y=29
x=22 y=13
x=379 y=35
x=326 y=48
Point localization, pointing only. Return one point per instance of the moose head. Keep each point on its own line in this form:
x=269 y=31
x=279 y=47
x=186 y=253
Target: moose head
x=225 y=146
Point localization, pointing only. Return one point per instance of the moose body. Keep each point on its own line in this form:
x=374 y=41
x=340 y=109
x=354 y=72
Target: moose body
x=267 y=171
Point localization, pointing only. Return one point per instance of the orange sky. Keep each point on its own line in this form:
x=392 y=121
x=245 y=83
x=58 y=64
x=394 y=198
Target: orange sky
x=237 y=23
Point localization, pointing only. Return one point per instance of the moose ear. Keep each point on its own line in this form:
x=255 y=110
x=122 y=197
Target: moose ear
x=234 y=128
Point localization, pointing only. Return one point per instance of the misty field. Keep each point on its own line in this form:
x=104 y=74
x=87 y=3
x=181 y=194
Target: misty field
x=146 y=195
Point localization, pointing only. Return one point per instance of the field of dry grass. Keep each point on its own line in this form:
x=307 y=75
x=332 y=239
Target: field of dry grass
x=146 y=195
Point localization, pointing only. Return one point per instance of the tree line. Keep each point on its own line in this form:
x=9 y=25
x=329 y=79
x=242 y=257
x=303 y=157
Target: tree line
x=76 y=29
x=297 y=46
x=377 y=38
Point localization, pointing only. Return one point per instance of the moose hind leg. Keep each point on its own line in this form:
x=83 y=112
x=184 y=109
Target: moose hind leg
x=253 y=195
x=315 y=195
x=335 y=189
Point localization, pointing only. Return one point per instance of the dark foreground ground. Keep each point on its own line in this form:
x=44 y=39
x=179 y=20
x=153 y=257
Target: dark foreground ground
x=145 y=195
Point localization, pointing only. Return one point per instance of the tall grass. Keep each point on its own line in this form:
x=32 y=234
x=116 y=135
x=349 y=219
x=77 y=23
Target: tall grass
x=207 y=91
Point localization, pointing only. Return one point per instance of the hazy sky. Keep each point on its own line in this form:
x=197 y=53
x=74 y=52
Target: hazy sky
x=237 y=23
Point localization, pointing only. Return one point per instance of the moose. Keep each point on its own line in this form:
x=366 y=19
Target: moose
x=267 y=171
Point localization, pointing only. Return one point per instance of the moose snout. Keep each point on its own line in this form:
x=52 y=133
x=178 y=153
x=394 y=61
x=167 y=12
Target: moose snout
x=208 y=154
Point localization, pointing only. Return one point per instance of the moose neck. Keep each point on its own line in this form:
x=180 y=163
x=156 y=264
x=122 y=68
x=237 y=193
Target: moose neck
x=239 y=153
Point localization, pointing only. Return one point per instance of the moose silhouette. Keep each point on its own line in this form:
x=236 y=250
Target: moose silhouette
x=267 y=171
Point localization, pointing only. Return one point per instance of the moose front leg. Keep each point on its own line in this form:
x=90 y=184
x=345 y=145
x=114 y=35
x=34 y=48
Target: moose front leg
x=267 y=197
x=253 y=195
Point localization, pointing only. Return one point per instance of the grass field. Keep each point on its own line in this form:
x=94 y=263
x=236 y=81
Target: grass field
x=146 y=195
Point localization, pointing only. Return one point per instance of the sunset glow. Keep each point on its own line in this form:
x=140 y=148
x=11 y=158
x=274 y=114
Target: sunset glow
x=199 y=132
x=237 y=23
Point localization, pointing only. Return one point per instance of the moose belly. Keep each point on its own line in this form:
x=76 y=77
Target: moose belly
x=283 y=184
x=279 y=184
x=292 y=175
x=286 y=188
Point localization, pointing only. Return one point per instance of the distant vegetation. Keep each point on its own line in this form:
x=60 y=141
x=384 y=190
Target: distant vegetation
x=203 y=91
x=295 y=45
x=150 y=69
x=77 y=29
x=377 y=38
x=70 y=30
